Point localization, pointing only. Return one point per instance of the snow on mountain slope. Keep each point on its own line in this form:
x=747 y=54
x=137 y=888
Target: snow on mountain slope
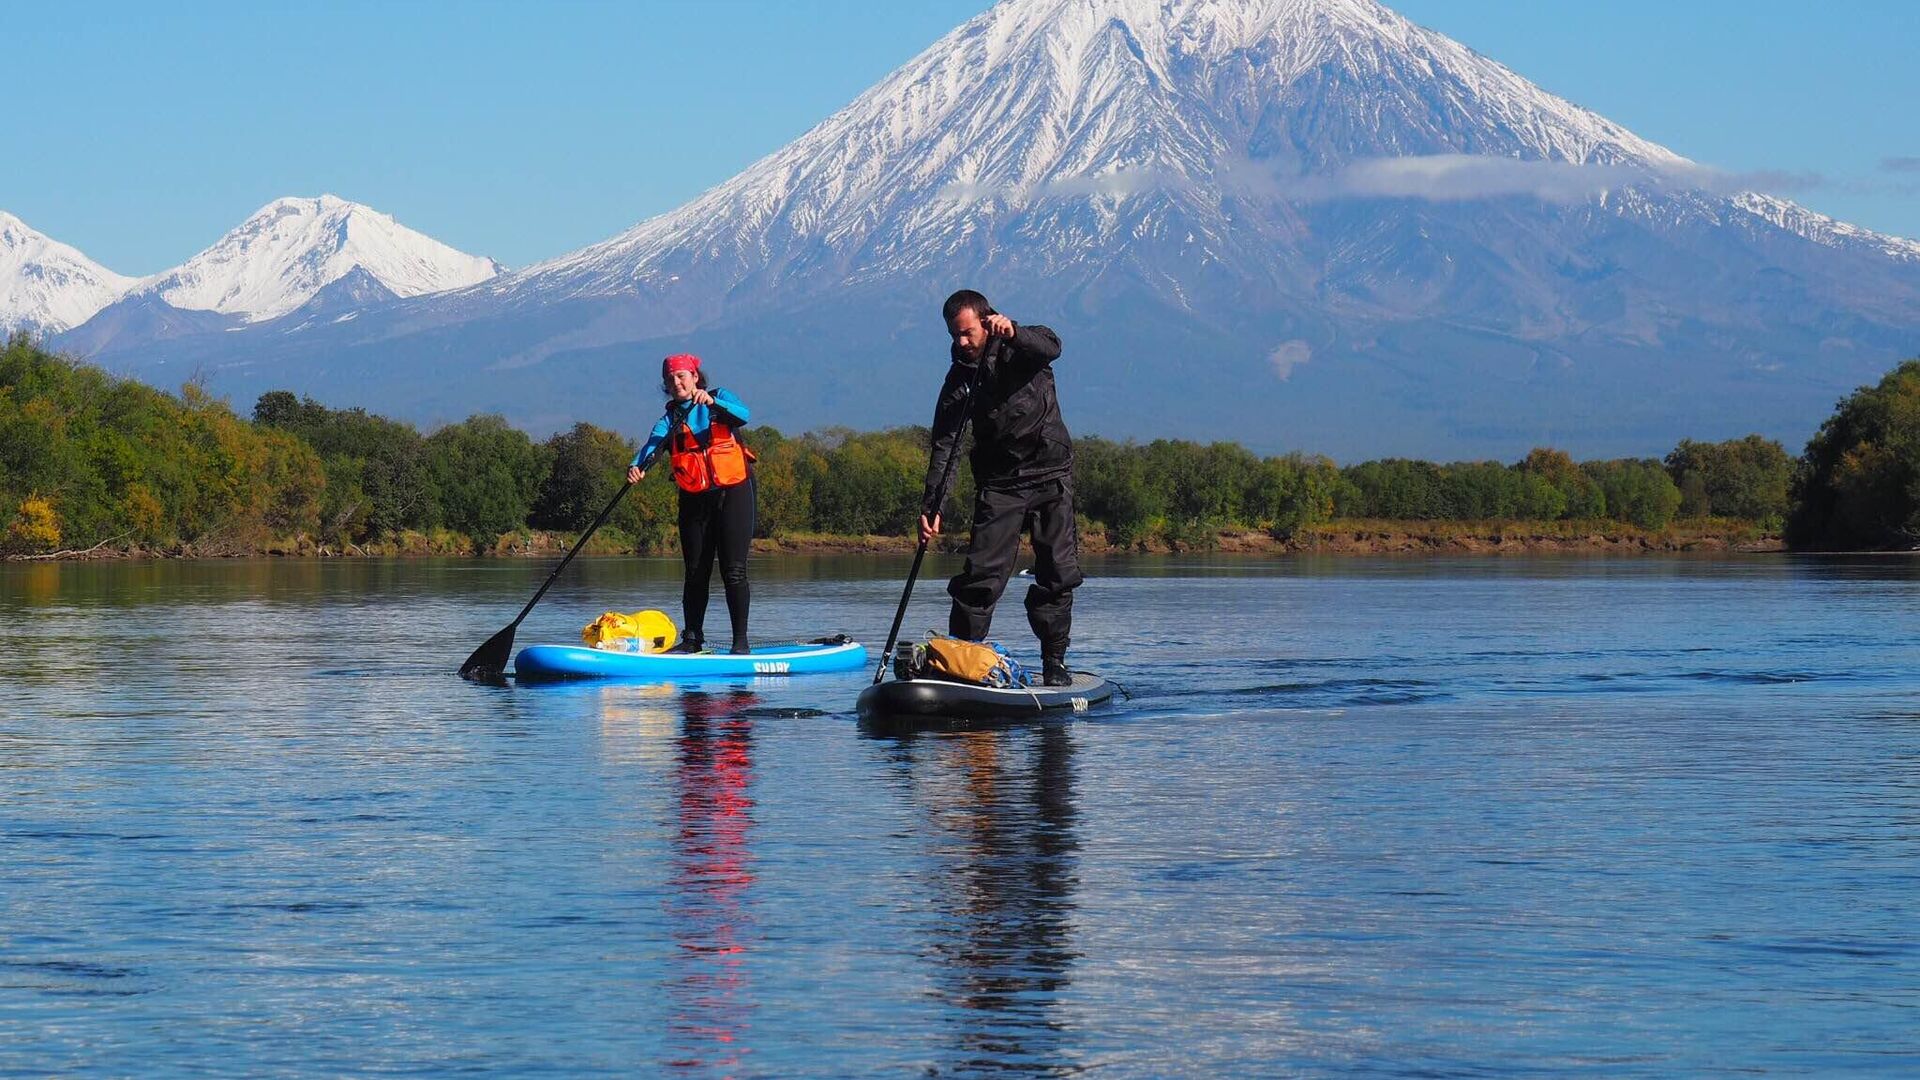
x=276 y=260
x=1343 y=232
x=1166 y=103
x=1824 y=230
x=46 y=286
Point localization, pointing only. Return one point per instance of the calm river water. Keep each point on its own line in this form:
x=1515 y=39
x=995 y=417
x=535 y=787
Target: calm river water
x=1490 y=817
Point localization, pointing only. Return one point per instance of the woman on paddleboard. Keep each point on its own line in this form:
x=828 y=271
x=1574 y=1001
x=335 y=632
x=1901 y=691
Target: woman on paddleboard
x=714 y=471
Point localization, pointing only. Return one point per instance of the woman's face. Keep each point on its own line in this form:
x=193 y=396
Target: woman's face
x=684 y=383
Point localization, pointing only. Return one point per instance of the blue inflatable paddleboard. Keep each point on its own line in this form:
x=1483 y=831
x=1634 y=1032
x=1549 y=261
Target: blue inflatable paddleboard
x=580 y=662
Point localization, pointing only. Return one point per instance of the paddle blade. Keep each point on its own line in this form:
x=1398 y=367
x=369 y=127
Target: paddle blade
x=489 y=661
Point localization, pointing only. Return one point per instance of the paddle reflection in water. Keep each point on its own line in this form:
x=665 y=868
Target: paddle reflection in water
x=1000 y=811
x=710 y=908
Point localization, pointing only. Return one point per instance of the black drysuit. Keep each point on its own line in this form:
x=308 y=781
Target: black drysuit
x=1023 y=473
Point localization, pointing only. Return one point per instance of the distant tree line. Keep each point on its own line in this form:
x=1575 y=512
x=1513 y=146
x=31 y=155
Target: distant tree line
x=1858 y=485
x=86 y=459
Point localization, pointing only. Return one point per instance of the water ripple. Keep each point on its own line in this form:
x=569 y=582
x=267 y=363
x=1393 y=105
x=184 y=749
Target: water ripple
x=1415 y=819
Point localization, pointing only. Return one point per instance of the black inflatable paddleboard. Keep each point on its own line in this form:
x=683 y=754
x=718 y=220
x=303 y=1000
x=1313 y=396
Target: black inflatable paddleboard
x=911 y=700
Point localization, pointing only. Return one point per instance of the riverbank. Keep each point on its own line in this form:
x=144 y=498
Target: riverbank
x=1532 y=537
x=1333 y=538
x=1377 y=538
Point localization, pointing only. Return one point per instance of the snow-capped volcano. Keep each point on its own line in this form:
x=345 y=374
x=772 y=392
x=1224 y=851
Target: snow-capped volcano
x=46 y=286
x=290 y=249
x=1341 y=231
x=1127 y=114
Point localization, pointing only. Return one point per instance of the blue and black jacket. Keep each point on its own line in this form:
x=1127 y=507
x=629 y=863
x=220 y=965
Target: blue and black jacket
x=733 y=413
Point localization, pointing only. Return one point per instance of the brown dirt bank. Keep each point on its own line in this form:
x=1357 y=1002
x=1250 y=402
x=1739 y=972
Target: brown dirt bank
x=1374 y=538
x=1527 y=538
x=1337 y=538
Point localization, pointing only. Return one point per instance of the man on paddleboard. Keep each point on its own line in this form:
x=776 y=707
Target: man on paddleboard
x=1001 y=376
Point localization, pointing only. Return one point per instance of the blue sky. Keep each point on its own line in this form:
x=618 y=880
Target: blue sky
x=524 y=130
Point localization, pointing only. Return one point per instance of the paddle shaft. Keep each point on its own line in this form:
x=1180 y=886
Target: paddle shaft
x=577 y=545
x=939 y=502
x=601 y=519
x=899 y=615
x=672 y=419
x=490 y=659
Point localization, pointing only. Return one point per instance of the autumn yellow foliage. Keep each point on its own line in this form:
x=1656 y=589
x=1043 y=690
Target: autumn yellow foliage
x=36 y=528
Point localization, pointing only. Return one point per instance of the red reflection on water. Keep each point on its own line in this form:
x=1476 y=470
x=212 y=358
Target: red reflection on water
x=710 y=910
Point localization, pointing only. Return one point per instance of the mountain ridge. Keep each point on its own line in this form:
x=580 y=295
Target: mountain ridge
x=47 y=286
x=283 y=253
x=274 y=262
x=1343 y=231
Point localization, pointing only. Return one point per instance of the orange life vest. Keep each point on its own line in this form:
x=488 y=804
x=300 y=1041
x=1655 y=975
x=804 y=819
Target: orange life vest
x=721 y=463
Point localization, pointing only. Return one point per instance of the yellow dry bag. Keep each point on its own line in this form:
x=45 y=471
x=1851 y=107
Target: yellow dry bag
x=643 y=631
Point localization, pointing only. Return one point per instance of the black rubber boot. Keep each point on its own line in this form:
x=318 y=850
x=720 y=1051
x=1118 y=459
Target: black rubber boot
x=688 y=645
x=1053 y=668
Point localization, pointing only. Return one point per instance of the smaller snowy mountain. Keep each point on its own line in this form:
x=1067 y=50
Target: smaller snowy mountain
x=46 y=286
x=281 y=257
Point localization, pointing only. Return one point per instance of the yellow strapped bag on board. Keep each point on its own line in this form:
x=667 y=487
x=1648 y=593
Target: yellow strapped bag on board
x=951 y=658
x=643 y=631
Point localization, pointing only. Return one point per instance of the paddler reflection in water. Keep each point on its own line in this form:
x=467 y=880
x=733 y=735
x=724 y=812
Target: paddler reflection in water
x=714 y=472
x=1002 y=869
x=711 y=903
x=1001 y=376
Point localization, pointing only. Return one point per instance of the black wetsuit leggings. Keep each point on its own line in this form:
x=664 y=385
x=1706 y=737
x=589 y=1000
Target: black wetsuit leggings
x=716 y=522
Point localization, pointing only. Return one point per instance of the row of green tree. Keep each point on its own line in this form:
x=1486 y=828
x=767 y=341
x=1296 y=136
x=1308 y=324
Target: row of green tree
x=89 y=459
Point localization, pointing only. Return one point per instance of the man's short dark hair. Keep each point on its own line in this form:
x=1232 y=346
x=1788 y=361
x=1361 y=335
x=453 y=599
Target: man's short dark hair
x=965 y=300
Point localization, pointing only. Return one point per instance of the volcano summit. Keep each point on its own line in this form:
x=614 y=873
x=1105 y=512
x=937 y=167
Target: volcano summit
x=1325 y=227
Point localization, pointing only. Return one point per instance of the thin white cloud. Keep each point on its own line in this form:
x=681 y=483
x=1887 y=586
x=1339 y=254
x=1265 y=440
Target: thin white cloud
x=1466 y=177
x=1430 y=177
x=1459 y=178
x=1117 y=183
